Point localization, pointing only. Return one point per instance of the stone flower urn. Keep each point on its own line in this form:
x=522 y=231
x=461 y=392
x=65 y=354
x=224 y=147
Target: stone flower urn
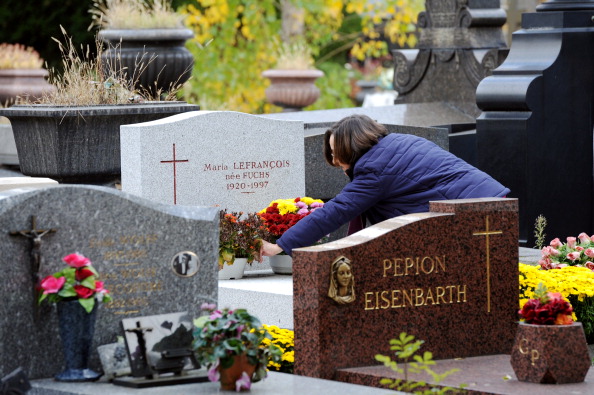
x=154 y=60
x=292 y=89
x=79 y=144
x=24 y=83
x=550 y=354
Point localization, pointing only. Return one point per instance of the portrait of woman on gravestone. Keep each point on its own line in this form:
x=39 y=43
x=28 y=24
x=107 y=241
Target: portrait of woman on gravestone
x=342 y=281
x=391 y=174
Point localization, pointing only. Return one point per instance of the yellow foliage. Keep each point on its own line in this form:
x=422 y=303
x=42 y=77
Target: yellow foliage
x=236 y=40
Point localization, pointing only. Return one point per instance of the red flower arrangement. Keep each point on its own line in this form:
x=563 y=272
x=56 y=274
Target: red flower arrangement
x=282 y=214
x=77 y=281
x=549 y=308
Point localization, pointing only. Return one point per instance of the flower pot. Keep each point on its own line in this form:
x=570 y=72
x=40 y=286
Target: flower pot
x=23 y=83
x=78 y=144
x=281 y=264
x=234 y=271
x=76 y=331
x=292 y=89
x=155 y=60
x=229 y=376
x=550 y=354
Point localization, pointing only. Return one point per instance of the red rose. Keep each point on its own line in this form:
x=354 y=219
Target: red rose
x=83 y=273
x=83 y=292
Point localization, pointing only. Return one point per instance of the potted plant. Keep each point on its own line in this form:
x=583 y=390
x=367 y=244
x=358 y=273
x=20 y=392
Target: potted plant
x=73 y=133
x=231 y=344
x=240 y=239
x=292 y=81
x=145 y=38
x=21 y=74
x=280 y=215
x=550 y=348
x=76 y=291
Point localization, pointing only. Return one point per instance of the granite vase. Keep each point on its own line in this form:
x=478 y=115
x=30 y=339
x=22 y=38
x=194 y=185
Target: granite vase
x=292 y=89
x=24 y=83
x=234 y=271
x=550 y=354
x=229 y=376
x=76 y=331
x=281 y=264
x=79 y=144
x=154 y=60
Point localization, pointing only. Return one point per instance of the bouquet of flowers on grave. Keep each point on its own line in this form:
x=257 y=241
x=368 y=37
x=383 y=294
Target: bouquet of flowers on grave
x=223 y=336
x=239 y=236
x=576 y=252
x=282 y=214
x=77 y=281
x=548 y=308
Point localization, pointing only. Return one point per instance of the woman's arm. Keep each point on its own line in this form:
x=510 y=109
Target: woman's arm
x=357 y=196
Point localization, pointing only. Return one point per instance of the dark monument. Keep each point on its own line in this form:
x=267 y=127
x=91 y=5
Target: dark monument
x=535 y=133
x=460 y=43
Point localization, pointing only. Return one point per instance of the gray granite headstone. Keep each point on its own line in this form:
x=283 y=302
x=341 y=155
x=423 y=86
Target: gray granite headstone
x=233 y=160
x=131 y=241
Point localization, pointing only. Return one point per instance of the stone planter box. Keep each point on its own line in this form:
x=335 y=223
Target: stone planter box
x=78 y=144
x=550 y=354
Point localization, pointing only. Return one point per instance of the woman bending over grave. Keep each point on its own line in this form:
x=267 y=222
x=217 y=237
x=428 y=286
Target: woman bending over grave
x=391 y=174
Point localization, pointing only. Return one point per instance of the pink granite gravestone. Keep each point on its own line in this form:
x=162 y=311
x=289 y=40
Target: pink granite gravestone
x=449 y=277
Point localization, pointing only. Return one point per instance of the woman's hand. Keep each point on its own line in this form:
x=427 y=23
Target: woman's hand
x=269 y=249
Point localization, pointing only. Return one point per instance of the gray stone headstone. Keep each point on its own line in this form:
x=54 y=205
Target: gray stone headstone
x=233 y=160
x=132 y=242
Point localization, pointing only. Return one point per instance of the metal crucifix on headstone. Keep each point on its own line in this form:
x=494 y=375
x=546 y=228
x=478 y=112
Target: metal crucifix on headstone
x=35 y=236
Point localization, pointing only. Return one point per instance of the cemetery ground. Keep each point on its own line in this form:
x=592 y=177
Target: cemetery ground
x=476 y=344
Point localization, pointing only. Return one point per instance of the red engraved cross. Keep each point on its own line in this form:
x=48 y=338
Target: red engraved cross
x=175 y=162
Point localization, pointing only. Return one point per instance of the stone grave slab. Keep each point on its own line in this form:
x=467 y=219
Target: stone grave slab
x=7 y=183
x=409 y=114
x=132 y=242
x=448 y=277
x=233 y=160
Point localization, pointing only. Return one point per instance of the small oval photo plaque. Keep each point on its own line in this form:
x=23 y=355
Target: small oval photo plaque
x=185 y=264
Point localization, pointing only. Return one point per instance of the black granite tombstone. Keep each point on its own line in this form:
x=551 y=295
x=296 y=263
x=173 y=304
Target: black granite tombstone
x=535 y=132
x=460 y=42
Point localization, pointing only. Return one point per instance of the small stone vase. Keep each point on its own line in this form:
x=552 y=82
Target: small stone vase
x=76 y=331
x=230 y=375
x=281 y=264
x=550 y=354
x=234 y=271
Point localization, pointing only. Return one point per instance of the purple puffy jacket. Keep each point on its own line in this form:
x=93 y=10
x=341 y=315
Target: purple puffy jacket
x=397 y=176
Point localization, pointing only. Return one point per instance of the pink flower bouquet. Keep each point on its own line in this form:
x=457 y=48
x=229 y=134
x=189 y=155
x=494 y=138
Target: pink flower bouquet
x=77 y=281
x=576 y=252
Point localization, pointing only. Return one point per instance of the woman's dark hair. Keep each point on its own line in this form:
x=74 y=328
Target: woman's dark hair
x=353 y=137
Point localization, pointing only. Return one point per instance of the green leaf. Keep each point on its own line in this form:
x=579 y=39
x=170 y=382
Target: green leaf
x=88 y=282
x=201 y=321
x=87 y=304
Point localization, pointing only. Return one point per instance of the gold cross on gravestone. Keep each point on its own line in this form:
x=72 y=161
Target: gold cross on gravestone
x=488 y=233
x=35 y=235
